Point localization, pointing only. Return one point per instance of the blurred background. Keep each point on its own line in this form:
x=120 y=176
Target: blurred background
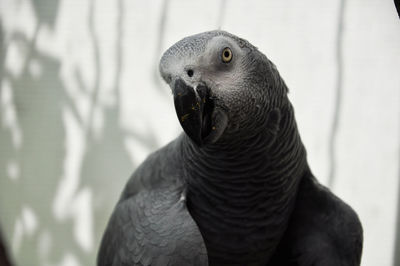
x=82 y=104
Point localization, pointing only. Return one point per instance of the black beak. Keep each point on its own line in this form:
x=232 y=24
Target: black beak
x=194 y=108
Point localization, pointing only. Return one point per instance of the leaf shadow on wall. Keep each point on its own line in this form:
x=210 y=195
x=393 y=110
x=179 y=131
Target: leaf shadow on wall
x=40 y=100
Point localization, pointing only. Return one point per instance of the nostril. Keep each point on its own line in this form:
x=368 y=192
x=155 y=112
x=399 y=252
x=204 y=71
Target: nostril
x=190 y=73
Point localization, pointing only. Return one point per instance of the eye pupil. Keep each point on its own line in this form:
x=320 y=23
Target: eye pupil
x=226 y=55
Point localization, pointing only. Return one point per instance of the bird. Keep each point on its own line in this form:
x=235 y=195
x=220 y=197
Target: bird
x=235 y=187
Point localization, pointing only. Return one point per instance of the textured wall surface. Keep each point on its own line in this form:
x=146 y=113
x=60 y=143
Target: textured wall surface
x=82 y=104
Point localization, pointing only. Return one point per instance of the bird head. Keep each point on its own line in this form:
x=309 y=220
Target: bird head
x=221 y=84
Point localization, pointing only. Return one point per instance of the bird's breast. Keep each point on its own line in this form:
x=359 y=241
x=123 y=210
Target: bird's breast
x=240 y=223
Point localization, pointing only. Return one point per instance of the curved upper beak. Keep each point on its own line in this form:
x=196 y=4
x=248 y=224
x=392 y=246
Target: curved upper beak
x=194 y=109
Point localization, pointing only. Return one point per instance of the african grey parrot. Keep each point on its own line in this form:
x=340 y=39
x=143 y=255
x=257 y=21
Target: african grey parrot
x=235 y=188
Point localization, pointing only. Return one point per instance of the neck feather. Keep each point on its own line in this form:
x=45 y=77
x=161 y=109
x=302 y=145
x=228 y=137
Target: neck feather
x=267 y=157
x=248 y=184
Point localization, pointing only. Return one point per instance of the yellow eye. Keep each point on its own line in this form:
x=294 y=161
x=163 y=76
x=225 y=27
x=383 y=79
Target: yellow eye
x=226 y=55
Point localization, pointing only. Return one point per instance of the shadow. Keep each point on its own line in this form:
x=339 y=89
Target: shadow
x=106 y=164
x=39 y=158
x=39 y=99
x=221 y=14
x=396 y=260
x=38 y=102
x=338 y=97
x=2 y=52
x=4 y=250
x=158 y=82
x=46 y=11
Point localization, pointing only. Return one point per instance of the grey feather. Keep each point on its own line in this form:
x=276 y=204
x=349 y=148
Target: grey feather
x=150 y=224
x=236 y=188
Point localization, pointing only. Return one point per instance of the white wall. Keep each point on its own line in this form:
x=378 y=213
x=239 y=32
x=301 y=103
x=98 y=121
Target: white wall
x=82 y=104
